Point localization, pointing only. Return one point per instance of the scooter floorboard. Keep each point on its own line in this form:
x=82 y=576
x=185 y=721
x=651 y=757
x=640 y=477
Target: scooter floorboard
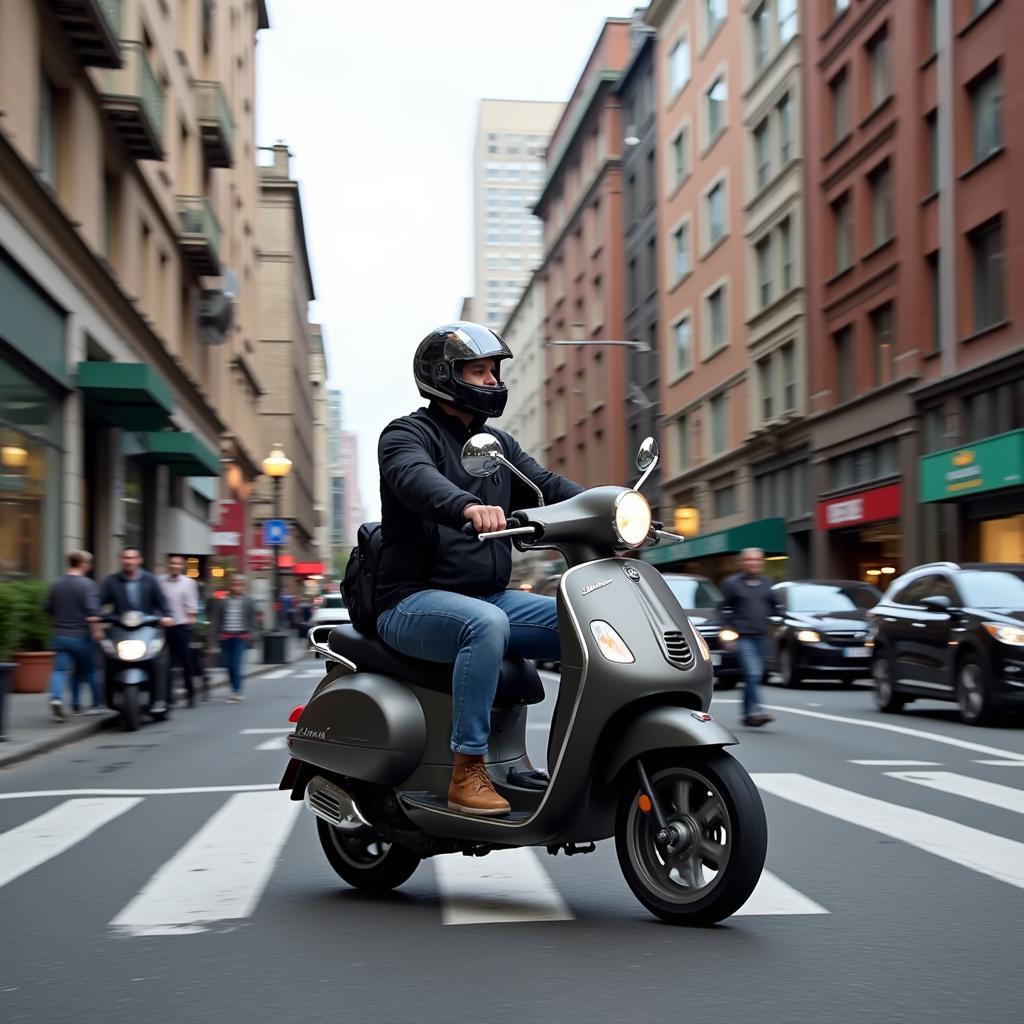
x=433 y=802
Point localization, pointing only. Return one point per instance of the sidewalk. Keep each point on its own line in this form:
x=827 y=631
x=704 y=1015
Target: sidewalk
x=31 y=729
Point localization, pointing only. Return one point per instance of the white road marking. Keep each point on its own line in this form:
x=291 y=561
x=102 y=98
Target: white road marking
x=30 y=794
x=279 y=674
x=37 y=841
x=503 y=887
x=274 y=743
x=1003 y=764
x=266 y=732
x=899 y=764
x=1006 y=797
x=988 y=854
x=219 y=875
x=726 y=700
x=774 y=896
x=903 y=730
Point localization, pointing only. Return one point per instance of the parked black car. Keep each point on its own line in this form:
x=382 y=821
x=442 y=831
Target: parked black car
x=952 y=632
x=699 y=598
x=824 y=631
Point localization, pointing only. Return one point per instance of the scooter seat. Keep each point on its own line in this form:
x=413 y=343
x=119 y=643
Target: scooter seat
x=518 y=683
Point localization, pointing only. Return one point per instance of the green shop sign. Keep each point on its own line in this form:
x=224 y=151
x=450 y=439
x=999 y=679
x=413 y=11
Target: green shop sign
x=988 y=465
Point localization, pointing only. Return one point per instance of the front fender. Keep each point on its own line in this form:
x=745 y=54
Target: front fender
x=132 y=676
x=666 y=728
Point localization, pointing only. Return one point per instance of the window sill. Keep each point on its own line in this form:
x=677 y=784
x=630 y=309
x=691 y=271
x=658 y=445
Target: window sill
x=711 y=355
x=837 y=146
x=934 y=354
x=961 y=32
x=931 y=197
x=838 y=276
x=717 y=244
x=990 y=329
x=713 y=141
x=675 y=96
x=978 y=164
x=928 y=61
x=678 y=281
x=876 y=111
x=871 y=253
x=682 y=375
x=677 y=186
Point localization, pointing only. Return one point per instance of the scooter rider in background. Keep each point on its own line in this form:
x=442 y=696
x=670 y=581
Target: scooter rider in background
x=440 y=594
x=135 y=590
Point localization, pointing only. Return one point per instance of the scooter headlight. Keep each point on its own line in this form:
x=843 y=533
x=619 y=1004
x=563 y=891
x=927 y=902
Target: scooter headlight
x=610 y=644
x=728 y=636
x=156 y=645
x=632 y=519
x=131 y=650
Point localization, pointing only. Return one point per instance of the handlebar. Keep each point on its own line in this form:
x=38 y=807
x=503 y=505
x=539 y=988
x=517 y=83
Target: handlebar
x=513 y=531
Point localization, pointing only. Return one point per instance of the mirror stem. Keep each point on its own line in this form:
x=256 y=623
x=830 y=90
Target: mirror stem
x=647 y=472
x=526 y=480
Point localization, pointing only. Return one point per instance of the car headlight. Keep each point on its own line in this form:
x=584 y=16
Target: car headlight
x=131 y=650
x=632 y=519
x=156 y=645
x=703 y=645
x=1012 y=635
x=809 y=636
x=728 y=636
x=610 y=644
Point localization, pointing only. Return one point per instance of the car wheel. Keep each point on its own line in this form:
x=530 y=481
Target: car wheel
x=972 y=691
x=887 y=698
x=789 y=667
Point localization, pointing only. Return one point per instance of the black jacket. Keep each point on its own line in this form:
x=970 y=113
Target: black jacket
x=151 y=597
x=747 y=602
x=423 y=492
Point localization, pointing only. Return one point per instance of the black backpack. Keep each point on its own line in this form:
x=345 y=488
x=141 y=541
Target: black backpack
x=360 y=582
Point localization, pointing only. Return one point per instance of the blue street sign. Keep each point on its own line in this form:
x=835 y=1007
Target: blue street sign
x=275 y=532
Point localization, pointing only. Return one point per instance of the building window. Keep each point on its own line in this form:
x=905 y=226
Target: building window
x=715 y=99
x=980 y=7
x=762 y=154
x=681 y=251
x=725 y=501
x=718 y=409
x=842 y=225
x=845 y=368
x=49 y=136
x=986 y=114
x=880 y=183
x=715 y=201
x=786 y=244
x=649 y=181
x=878 y=63
x=631 y=199
x=683 y=456
x=987 y=259
x=632 y=289
x=931 y=133
x=839 y=90
x=761 y=25
x=680 y=154
x=784 y=110
x=679 y=65
x=787 y=14
x=684 y=345
x=714 y=17
x=715 y=303
x=764 y=381
x=885 y=354
x=788 y=377
x=763 y=252
x=934 y=286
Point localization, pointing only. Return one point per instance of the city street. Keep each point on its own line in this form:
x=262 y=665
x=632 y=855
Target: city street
x=161 y=876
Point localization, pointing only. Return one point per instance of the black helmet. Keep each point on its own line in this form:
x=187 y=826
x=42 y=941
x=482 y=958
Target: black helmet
x=436 y=367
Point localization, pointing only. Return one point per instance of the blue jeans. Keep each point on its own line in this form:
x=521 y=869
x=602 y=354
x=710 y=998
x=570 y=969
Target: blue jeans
x=75 y=655
x=473 y=634
x=752 y=651
x=232 y=651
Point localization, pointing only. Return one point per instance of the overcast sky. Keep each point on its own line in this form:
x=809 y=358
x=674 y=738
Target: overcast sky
x=378 y=104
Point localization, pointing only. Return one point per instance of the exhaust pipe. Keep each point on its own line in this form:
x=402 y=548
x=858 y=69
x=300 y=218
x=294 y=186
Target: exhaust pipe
x=333 y=804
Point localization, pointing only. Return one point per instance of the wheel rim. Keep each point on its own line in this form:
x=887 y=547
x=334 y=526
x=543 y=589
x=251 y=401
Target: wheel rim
x=883 y=684
x=694 y=863
x=358 y=845
x=972 y=696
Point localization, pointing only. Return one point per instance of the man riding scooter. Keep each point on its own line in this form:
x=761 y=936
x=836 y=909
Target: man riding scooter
x=440 y=595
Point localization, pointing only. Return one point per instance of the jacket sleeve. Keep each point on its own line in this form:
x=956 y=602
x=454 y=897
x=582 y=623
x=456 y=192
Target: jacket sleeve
x=106 y=595
x=159 y=599
x=92 y=602
x=552 y=486
x=407 y=468
x=726 y=608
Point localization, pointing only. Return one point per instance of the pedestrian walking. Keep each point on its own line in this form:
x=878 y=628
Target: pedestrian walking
x=182 y=596
x=747 y=606
x=233 y=623
x=72 y=601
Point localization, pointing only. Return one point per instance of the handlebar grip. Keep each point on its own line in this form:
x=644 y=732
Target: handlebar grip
x=469 y=529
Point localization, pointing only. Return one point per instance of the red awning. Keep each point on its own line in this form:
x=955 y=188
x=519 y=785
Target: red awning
x=309 y=569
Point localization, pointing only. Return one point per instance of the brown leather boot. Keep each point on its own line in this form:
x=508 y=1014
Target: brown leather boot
x=471 y=790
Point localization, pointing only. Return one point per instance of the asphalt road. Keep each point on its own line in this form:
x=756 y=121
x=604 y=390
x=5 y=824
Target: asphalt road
x=140 y=879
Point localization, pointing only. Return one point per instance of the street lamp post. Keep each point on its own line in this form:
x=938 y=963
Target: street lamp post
x=277 y=466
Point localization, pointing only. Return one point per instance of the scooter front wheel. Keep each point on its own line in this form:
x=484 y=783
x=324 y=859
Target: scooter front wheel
x=710 y=860
x=131 y=713
x=363 y=859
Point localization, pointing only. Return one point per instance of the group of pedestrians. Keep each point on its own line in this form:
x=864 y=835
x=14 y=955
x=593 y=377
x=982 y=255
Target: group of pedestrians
x=76 y=605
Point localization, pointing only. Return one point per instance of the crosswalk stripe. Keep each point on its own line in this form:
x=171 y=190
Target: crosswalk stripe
x=58 y=829
x=219 y=874
x=972 y=848
x=774 y=896
x=279 y=674
x=505 y=886
x=1003 y=764
x=899 y=764
x=274 y=743
x=1006 y=797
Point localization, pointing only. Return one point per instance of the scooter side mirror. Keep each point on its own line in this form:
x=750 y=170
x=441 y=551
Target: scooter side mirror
x=648 y=454
x=482 y=455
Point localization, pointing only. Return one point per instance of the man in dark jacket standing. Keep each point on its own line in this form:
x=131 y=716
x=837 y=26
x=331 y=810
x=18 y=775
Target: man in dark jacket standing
x=441 y=594
x=747 y=604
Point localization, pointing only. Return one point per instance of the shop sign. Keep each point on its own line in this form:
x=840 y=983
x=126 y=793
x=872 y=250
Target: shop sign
x=865 y=507
x=986 y=466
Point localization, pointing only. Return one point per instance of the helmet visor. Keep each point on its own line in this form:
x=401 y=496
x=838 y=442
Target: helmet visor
x=465 y=341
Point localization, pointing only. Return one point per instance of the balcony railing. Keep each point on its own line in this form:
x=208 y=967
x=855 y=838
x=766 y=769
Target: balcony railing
x=199 y=235
x=215 y=124
x=93 y=28
x=134 y=101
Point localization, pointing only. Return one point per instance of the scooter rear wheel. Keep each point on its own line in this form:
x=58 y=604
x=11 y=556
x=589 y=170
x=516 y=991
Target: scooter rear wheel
x=364 y=860
x=719 y=837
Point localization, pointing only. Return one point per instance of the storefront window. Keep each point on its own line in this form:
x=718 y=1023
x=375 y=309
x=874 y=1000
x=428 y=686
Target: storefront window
x=1002 y=540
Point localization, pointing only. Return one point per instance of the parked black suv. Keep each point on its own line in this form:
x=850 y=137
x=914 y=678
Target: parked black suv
x=699 y=598
x=951 y=632
x=824 y=631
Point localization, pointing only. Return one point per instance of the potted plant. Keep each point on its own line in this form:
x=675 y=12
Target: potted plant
x=33 y=656
x=9 y=625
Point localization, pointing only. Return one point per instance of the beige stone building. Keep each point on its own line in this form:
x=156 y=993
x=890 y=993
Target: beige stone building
x=128 y=379
x=318 y=384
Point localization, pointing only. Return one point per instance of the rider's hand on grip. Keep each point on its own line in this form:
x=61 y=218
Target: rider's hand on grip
x=485 y=518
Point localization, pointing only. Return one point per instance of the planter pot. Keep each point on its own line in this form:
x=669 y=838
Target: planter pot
x=32 y=671
x=6 y=671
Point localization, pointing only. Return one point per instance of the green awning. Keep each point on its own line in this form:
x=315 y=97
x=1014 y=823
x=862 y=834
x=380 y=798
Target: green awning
x=767 y=534
x=128 y=395
x=182 y=452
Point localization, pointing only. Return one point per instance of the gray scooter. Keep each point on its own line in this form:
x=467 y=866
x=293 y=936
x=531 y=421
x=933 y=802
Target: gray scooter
x=633 y=752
